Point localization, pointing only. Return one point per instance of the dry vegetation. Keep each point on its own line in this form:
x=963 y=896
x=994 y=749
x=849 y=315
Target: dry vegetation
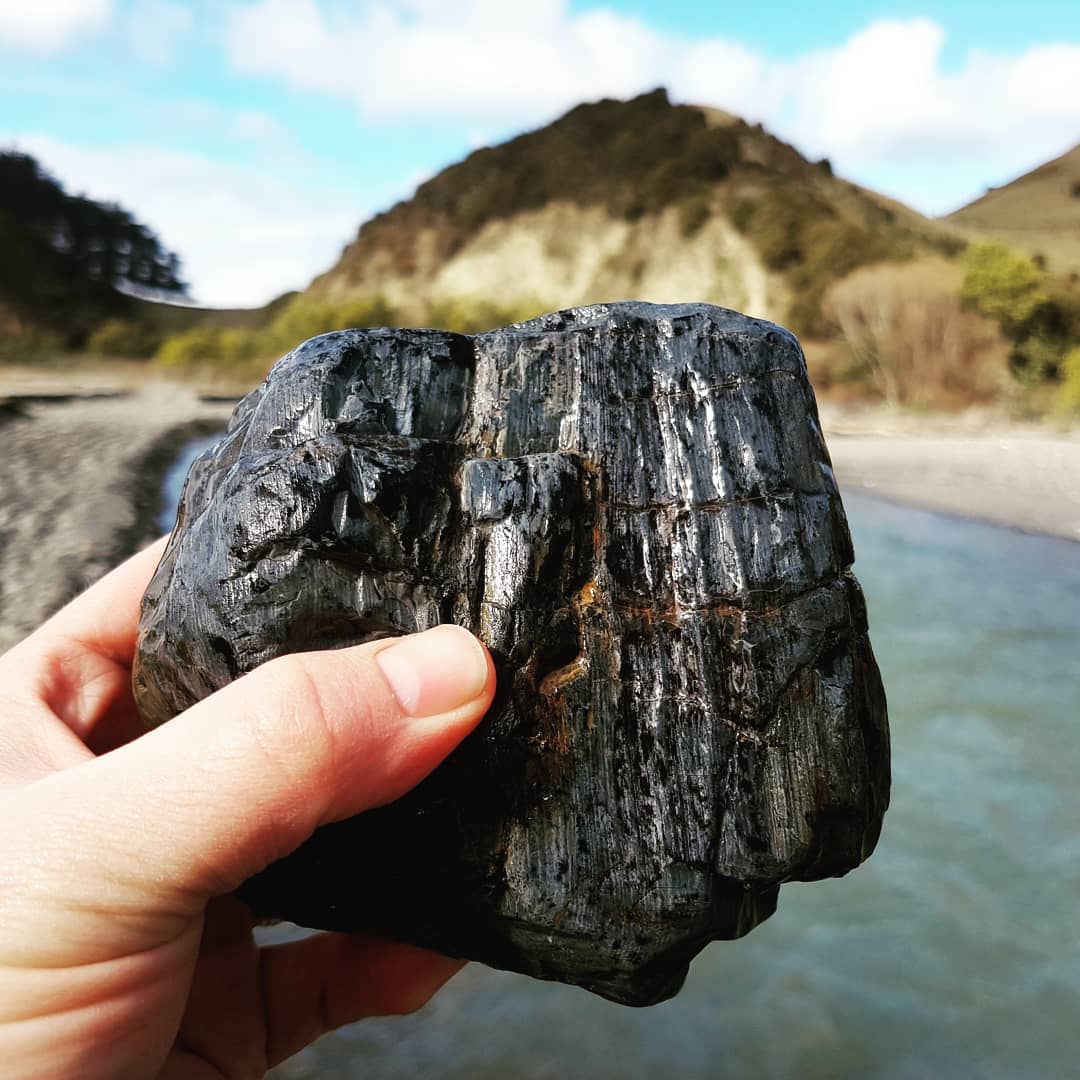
x=993 y=326
x=909 y=333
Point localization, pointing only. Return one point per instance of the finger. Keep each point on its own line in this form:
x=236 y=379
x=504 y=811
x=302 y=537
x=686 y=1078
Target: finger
x=223 y=1023
x=78 y=666
x=34 y=744
x=314 y=986
x=195 y=807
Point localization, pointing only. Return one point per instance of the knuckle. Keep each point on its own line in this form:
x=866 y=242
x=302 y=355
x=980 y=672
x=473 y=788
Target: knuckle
x=293 y=724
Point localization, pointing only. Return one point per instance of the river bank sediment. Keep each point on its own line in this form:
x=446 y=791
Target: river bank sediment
x=80 y=486
x=1021 y=476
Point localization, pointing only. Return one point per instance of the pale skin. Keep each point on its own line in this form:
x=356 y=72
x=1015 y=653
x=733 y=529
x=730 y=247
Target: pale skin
x=122 y=953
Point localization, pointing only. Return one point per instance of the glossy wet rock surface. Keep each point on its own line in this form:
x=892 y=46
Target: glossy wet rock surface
x=632 y=505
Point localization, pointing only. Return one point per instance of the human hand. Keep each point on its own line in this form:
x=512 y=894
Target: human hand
x=121 y=952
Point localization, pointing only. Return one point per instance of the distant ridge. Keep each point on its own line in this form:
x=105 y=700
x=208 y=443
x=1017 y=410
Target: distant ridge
x=1038 y=213
x=638 y=198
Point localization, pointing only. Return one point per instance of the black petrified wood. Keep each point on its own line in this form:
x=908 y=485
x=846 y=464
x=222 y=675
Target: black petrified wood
x=632 y=505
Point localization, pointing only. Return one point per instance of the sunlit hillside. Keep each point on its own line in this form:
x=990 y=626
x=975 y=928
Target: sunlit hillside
x=636 y=198
x=1038 y=213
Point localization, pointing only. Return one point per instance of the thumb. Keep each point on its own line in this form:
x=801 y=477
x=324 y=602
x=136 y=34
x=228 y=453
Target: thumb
x=195 y=807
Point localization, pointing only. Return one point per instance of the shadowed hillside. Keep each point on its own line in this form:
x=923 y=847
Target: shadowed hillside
x=1038 y=213
x=640 y=198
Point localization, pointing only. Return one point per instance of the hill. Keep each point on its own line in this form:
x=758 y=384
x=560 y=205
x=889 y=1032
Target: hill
x=1038 y=213
x=620 y=199
x=66 y=262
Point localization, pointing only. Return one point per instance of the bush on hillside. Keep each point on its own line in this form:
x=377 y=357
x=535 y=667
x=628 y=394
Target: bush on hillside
x=1040 y=316
x=191 y=349
x=471 y=315
x=124 y=338
x=306 y=318
x=21 y=340
x=236 y=351
x=231 y=349
x=1069 y=393
x=800 y=234
x=694 y=212
x=1003 y=285
x=908 y=329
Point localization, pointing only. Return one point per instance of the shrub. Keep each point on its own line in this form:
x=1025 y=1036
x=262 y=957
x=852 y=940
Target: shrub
x=1037 y=357
x=469 y=315
x=192 y=348
x=1040 y=315
x=120 y=337
x=833 y=248
x=908 y=329
x=1003 y=285
x=742 y=214
x=24 y=341
x=799 y=233
x=236 y=350
x=236 y=347
x=306 y=318
x=1069 y=393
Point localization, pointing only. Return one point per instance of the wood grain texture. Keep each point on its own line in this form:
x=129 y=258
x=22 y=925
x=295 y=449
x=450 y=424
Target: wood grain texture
x=632 y=505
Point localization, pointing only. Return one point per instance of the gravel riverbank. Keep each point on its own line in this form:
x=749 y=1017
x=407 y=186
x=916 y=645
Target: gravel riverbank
x=80 y=486
x=1023 y=476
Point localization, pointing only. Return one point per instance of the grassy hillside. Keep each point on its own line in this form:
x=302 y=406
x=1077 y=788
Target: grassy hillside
x=1038 y=213
x=639 y=198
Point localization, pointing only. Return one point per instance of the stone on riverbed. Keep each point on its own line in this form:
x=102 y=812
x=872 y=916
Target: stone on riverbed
x=632 y=506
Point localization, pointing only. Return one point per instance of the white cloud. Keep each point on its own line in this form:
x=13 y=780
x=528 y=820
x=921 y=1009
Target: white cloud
x=880 y=104
x=885 y=95
x=482 y=60
x=244 y=236
x=44 y=25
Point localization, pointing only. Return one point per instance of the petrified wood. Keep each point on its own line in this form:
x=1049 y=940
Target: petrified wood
x=632 y=505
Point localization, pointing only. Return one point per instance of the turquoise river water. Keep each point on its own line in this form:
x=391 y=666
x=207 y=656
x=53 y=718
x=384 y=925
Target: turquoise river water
x=953 y=953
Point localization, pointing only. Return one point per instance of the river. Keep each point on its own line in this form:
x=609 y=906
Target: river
x=953 y=953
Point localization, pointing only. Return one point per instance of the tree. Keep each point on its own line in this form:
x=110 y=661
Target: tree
x=1038 y=315
x=1003 y=285
x=909 y=332
x=68 y=261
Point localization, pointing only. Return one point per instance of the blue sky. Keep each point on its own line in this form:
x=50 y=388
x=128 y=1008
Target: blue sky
x=255 y=135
